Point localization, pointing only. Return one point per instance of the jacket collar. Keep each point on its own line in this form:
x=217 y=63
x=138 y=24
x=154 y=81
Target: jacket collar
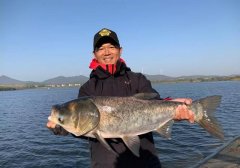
x=105 y=71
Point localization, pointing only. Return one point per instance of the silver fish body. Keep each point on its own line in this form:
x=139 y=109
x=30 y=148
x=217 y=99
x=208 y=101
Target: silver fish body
x=128 y=117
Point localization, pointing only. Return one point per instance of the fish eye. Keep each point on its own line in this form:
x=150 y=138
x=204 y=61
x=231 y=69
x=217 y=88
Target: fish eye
x=60 y=119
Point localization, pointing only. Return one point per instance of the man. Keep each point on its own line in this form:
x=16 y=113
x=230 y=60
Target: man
x=111 y=77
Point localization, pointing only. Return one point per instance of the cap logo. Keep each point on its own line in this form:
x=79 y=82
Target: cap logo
x=104 y=32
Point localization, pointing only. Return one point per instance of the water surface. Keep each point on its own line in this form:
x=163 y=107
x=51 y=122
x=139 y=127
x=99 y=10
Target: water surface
x=26 y=142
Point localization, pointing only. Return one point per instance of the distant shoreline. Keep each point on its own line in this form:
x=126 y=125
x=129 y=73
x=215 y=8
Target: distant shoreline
x=12 y=87
x=6 y=88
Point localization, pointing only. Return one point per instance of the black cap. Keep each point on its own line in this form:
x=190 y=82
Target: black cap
x=105 y=36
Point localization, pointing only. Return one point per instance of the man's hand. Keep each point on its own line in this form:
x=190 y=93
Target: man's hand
x=182 y=112
x=183 y=100
x=56 y=129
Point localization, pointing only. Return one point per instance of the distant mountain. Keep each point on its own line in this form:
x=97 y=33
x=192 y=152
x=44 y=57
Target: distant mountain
x=82 y=79
x=66 y=80
x=198 y=76
x=159 y=78
x=5 y=80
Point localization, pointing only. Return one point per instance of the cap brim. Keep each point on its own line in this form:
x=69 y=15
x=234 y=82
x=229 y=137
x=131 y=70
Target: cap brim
x=104 y=40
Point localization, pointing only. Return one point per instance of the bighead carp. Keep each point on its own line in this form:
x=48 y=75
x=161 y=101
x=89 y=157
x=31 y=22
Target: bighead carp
x=127 y=117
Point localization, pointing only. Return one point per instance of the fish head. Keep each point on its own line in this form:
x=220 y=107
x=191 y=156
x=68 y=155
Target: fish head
x=78 y=116
x=60 y=115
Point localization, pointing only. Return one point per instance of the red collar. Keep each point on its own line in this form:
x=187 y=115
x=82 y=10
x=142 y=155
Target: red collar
x=111 y=68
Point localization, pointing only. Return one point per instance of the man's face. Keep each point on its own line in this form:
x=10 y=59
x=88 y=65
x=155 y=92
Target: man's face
x=107 y=54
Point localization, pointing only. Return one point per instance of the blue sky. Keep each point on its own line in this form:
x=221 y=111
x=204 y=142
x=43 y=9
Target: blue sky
x=42 y=39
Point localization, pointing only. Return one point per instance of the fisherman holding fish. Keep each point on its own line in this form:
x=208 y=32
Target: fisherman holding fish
x=110 y=76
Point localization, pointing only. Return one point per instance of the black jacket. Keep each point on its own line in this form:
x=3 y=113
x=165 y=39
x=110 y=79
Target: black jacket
x=123 y=82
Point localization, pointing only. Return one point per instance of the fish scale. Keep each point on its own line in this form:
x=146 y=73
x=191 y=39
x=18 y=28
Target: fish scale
x=128 y=119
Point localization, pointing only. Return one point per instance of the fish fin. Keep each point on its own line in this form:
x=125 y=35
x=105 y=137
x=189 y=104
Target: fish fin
x=208 y=121
x=145 y=96
x=104 y=143
x=166 y=129
x=82 y=131
x=75 y=133
x=133 y=143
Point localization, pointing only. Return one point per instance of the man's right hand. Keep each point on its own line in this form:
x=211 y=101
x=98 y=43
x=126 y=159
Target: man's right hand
x=56 y=129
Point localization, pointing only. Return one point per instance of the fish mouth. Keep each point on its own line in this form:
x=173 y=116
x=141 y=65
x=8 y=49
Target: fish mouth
x=50 y=118
x=53 y=119
x=70 y=129
x=54 y=114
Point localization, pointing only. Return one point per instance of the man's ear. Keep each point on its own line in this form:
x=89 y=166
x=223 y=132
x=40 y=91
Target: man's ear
x=93 y=54
x=121 y=49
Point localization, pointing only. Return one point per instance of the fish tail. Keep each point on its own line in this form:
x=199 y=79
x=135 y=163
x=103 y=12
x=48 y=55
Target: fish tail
x=207 y=119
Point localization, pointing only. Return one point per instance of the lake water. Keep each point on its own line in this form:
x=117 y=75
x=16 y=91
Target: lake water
x=26 y=142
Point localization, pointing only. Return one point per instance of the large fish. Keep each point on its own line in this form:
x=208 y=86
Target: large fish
x=128 y=117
